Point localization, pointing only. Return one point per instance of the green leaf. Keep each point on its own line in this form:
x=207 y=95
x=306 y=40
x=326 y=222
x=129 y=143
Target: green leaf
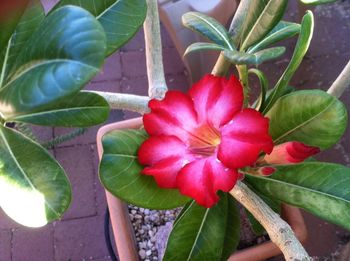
x=81 y=110
x=8 y=25
x=29 y=22
x=9 y=22
x=306 y=32
x=34 y=189
x=120 y=173
x=254 y=58
x=121 y=19
x=264 y=86
x=205 y=233
x=309 y=116
x=195 y=47
x=242 y=17
x=232 y=232
x=62 y=55
x=283 y=30
x=208 y=27
x=320 y=188
x=317 y=2
x=267 y=20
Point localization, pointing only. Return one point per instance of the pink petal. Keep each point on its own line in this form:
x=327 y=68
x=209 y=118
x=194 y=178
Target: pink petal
x=165 y=171
x=290 y=152
x=165 y=156
x=157 y=148
x=174 y=115
x=201 y=179
x=244 y=138
x=216 y=99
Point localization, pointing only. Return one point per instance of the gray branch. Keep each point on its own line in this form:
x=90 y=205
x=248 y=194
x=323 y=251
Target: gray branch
x=279 y=231
x=341 y=83
x=123 y=101
x=155 y=71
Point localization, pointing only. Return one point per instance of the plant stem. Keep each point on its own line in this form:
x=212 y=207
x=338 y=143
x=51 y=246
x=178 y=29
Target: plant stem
x=221 y=67
x=279 y=231
x=243 y=77
x=155 y=71
x=123 y=101
x=341 y=83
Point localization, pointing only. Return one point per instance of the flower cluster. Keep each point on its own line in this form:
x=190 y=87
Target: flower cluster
x=198 y=141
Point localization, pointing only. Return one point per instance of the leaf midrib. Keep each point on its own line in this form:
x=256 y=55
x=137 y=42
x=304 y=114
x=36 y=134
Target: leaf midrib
x=255 y=24
x=198 y=233
x=42 y=113
x=120 y=155
x=107 y=9
x=23 y=172
x=305 y=188
x=305 y=122
x=215 y=29
x=4 y=67
x=45 y=62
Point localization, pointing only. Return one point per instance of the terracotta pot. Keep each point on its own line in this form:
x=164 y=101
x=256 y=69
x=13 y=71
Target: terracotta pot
x=124 y=234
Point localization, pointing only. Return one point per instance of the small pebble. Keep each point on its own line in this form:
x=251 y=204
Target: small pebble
x=142 y=254
x=146 y=223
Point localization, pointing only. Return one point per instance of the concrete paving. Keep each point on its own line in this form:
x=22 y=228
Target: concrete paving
x=79 y=235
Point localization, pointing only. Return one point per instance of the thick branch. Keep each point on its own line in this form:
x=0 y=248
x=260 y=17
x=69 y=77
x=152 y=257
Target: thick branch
x=128 y=102
x=221 y=67
x=341 y=83
x=155 y=71
x=279 y=231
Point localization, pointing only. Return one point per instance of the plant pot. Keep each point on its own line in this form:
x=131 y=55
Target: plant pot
x=124 y=234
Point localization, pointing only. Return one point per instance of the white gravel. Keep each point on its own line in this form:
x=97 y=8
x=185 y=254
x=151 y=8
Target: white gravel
x=146 y=224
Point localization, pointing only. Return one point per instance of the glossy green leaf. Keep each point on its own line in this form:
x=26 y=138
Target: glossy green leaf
x=306 y=32
x=242 y=18
x=62 y=55
x=247 y=14
x=283 y=30
x=309 y=116
x=264 y=86
x=120 y=173
x=195 y=47
x=320 y=188
x=205 y=233
x=267 y=20
x=8 y=25
x=208 y=27
x=262 y=21
x=254 y=58
x=34 y=189
x=121 y=19
x=29 y=22
x=9 y=22
x=81 y=110
x=317 y=2
x=232 y=232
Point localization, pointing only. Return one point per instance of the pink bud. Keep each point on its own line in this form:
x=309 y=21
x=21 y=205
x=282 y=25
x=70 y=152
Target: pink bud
x=290 y=153
x=266 y=171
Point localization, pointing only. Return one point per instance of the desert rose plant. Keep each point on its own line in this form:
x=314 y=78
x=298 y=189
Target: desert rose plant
x=204 y=150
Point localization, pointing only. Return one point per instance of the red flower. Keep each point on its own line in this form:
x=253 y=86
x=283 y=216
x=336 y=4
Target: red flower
x=199 y=140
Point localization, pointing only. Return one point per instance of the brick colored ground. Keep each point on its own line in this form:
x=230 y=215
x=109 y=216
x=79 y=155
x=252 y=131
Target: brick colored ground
x=79 y=235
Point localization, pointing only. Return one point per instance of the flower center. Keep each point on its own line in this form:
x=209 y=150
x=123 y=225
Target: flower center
x=205 y=141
